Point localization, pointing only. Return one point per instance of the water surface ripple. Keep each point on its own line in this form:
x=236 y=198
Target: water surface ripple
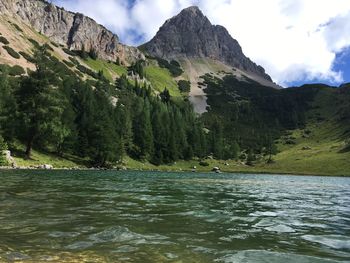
x=94 y=216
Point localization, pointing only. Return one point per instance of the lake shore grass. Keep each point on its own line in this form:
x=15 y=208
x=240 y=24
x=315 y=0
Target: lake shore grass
x=230 y=166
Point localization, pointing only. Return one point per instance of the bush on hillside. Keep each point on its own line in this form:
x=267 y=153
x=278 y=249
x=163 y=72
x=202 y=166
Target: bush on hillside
x=26 y=56
x=93 y=54
x=69 y=52
x=184 y=85
x=17 y=27
x=81 y=75
x=12 y=52
x=74 y=61
x=173 y=67
x=48 y=47
x=87 y=71
x=69 y=64
x=3 y=147
x=16 y=71
x=4 y=40
x=34 y=43
x=55 y=44
x=203 y=163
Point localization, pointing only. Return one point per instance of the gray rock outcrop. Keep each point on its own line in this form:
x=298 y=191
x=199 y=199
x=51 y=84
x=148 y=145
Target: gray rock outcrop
x=73 y=30
x=190 y=34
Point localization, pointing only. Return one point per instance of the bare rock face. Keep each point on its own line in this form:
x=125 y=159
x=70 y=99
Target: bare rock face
x=71 y=29
x=190 y=34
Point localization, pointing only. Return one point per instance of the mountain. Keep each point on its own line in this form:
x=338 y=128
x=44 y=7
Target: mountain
x=130 y=106
x=190 y=34
x=73 y=30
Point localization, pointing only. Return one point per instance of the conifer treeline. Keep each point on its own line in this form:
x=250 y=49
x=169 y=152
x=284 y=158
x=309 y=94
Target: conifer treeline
x=53 y=110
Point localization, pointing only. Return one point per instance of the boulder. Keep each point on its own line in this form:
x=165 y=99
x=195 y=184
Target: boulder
x=305 y=148
x=9 y=158
x=45 y=167
x=216 y=169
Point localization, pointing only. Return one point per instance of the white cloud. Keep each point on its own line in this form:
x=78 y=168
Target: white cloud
x=294 y=40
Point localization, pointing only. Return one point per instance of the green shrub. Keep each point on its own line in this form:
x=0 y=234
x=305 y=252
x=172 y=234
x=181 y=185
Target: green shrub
x=69 y=52
x=27 y=56
x=175 y=63
x=3 y=147
x=173 y=67
x=4 y=40
x=87 y=71
x=250 y=158
x=184 y=85
x=16 y=71
x=17 y=27
x=12 y=52
x=203 y=163
x=48 y=47
x=4 y=68
x=79 y=73
x=74 y=61
x=35 y=43
x=290 y=142
x=93 y=54
x=69 y=64
x=54 y=44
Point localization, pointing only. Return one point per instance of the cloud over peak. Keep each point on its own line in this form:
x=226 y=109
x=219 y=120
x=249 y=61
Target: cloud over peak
x=294 y=40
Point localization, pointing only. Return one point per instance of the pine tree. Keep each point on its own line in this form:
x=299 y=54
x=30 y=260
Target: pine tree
x=93 y=53
x=7 y=107
x=105 y=145
x=3 y=147
x=235 y=150
x=217 y=140
x=271 y=148
x=143 y=135
x=83 y=54
x=250 y=157
x=117 y=62
x=122 y=83
x=39 y=103
x=123 y=123
x=165 y=95
x=160 y=132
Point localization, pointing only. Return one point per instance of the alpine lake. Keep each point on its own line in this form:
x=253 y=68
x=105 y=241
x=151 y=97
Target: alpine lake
x=111 y=216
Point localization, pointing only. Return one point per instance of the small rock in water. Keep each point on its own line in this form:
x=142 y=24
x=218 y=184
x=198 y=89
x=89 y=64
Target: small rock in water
x=216 y=169
x=14 y=256
x=171 y=255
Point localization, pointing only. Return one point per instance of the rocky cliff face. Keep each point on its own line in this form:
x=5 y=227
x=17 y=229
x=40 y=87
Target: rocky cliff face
x=190 y=34
x=71 y=29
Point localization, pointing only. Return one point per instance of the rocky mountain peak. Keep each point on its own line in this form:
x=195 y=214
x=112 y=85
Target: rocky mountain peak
x=190 y=34
x=194 y=10
x=73 y=30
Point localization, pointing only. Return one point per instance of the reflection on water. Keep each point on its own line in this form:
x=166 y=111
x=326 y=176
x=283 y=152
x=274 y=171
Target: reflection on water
x=89 y=216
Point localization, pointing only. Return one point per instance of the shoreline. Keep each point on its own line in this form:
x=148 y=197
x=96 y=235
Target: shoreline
x=276 y=173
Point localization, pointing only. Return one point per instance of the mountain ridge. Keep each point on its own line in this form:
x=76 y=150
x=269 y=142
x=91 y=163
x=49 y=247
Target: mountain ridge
x=191 y=34
x=74 y=30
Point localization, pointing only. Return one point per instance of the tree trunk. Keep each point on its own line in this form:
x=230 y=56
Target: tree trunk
x=29 y=147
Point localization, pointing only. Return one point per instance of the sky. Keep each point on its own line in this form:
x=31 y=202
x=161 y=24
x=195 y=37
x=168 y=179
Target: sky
x=296 y=41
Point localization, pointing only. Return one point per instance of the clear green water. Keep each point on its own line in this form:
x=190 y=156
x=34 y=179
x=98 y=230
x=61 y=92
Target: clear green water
x=89 y=216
